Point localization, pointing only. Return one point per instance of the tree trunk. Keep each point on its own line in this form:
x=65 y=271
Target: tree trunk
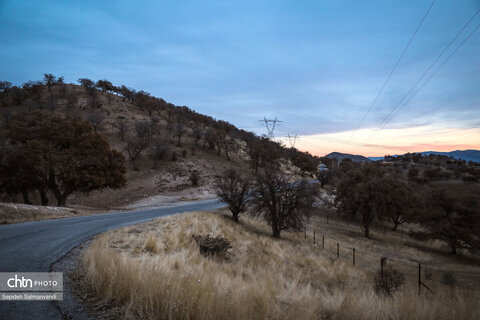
x=366 y=228
x=235 y=217
x=44 y=198
x=453 y=250
x=61 y=200
x=275 y=231
x=25 y=197
x=395 y=226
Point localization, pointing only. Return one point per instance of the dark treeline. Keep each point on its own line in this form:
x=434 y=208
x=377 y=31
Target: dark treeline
x=387 y=192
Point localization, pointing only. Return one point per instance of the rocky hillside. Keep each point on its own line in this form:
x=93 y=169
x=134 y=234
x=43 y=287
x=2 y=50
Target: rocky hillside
x=165 y=146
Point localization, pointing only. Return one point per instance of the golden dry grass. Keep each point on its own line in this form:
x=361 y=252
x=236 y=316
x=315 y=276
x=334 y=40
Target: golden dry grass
x=155 y=271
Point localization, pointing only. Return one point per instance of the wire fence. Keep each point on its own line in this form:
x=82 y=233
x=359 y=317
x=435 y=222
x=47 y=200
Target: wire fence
x=428 y=276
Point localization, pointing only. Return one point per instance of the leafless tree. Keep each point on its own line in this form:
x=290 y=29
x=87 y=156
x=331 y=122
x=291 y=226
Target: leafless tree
x=122 y=127
x=233 y=189
x=95 y=120
x=143 y=129
x=197 y=134
x=50 y=80
x=71 y=99
x=179 y=132
x=134 y=148
x=52 y=101
x=284 y=205
x=5 y=87
x=159 y=151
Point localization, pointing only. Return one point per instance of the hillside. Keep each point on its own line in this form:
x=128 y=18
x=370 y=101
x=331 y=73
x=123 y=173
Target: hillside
x=163 y=144
x=467 y=155
x=342 y=156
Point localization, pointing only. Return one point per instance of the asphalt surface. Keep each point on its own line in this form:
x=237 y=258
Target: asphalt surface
x=35 y=246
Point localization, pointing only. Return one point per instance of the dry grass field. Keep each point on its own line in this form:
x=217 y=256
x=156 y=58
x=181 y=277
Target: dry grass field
x=155 y=271
x=400 y=250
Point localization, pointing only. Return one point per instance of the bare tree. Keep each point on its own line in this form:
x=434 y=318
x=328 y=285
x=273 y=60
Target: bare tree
x=122 y=127
x=52 y=101
x=4 y=91
x=233 y=189
x=134 y=149
x=143 y=129
x=95 y=120
x=71 y=99
x=159 y=151
x=179 y=132
x=197 y=134
x=283 y=205
x=50 y=80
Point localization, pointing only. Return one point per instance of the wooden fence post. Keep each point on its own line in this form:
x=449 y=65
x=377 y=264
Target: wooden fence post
x=323 y=242
x=313 y=236
x=382 y=262
x=353 y=255
x=338 y=250
x=305 y=229
x=419 y=277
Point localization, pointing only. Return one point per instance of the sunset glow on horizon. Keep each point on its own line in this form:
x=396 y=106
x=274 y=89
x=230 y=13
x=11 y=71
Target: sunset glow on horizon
x=392 y=141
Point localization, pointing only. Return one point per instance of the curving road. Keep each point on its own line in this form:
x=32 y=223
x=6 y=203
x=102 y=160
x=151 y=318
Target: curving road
x=35 y=246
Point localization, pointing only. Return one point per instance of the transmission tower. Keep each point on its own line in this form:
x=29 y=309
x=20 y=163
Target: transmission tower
x=270 y=125
x=292 y=140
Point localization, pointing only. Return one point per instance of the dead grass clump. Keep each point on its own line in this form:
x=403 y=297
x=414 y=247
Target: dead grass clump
x=212 y=246
x=265 y=278
x=151 y=244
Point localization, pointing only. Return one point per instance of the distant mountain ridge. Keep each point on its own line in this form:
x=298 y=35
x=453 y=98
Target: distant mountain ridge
x=343 y=156
x=467 y=155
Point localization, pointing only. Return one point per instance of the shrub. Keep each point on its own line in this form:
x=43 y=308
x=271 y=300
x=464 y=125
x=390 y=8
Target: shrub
x=448 y=278
x=174 y=156
x=212 y=246
x=194 y=178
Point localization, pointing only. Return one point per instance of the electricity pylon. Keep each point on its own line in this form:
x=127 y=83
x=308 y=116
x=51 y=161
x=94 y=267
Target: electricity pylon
x=270 y=125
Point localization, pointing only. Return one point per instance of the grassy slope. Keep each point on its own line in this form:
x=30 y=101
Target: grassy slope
x=154 y=271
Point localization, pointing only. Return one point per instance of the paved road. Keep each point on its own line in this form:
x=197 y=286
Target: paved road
x=35 y=246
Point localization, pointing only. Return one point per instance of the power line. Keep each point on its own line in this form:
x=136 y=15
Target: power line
x=393 y=70
x=389 y=117
x=432 y=74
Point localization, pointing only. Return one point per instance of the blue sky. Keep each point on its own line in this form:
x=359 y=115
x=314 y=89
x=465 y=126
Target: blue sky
x=316 y=65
